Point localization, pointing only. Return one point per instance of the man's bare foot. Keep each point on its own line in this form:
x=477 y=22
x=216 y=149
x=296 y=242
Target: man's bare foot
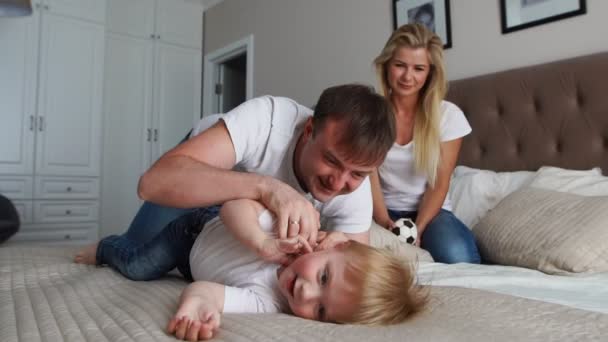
x=87 y=255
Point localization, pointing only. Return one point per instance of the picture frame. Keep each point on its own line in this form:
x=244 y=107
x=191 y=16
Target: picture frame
x=434 y=14
x=517 y=15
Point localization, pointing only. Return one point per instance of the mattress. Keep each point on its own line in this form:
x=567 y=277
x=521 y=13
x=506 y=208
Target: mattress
x=46 y=297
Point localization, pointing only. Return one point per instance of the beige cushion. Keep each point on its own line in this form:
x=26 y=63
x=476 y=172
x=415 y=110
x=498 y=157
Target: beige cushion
x=383 y=238
x=554 y=232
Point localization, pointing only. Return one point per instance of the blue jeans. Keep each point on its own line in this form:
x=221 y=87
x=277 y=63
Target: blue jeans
x=445 y=237
x=152 y=259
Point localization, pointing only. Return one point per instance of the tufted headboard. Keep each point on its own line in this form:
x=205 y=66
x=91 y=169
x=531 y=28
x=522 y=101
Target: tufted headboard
x=550 y=114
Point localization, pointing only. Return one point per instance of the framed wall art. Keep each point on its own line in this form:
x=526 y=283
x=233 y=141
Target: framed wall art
x=520 y=14
x=434 y=14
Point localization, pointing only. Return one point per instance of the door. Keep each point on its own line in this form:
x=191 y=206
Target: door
x=133 y=17
x=180 y=22
x=127 y=128
x=92 y=10
x=177 y=95
x=18 y=71
x=69 y=131
x=232 y=83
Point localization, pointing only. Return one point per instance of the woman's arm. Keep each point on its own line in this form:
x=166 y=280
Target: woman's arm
x=433 y=197
x=380 y=212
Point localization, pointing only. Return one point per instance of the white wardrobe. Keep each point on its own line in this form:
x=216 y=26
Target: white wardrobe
x=51 y=82
x=152 y=94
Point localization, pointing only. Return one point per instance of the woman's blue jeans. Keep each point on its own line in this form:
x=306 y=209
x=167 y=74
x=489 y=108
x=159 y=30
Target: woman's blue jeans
x=445 y=237
x=138 y=257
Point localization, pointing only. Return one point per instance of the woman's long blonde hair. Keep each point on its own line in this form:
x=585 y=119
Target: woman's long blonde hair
x=427 y=142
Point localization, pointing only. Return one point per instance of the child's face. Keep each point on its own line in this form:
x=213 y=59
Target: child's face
x=316 y=288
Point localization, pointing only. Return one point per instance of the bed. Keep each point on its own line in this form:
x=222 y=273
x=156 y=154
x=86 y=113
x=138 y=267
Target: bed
x=539 y=142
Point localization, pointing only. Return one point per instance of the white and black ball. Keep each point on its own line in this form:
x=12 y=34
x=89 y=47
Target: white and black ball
x=406 y=230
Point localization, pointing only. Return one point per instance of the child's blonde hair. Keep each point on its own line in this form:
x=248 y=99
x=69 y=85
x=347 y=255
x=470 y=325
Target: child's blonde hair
x=388 y=293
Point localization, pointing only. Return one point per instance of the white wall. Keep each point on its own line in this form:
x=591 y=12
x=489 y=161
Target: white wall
x=304 y=46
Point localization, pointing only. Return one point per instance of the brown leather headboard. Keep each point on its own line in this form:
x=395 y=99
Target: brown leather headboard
x=550 y=114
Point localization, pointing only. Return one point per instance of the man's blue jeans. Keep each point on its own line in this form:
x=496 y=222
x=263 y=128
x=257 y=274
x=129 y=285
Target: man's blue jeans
x=147 y=259
x=445 y=237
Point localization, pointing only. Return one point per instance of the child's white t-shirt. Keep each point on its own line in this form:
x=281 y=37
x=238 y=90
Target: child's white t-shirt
x=251 y=284
x=401 y=185
x=264 y=132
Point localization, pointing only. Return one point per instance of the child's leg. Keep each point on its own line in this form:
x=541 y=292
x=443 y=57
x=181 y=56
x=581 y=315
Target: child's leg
x=153 y=259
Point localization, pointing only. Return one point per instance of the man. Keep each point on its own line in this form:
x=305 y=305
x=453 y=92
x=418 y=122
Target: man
x=309 y=170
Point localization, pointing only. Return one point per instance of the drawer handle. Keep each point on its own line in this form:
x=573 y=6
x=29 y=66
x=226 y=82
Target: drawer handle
x=68 y=189
x=68 y=212
x=67 y=237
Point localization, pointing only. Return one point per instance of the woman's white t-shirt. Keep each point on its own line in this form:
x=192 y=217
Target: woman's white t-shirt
x=401 y=185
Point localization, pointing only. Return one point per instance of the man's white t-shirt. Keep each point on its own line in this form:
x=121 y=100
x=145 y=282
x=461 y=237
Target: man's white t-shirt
x=264 y=132
x=251 y=284
x=402 y=186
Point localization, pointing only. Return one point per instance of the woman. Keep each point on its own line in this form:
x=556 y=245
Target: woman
x=414 y=179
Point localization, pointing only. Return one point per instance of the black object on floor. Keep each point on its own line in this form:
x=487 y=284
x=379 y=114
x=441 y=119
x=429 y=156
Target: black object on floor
x=9 y=219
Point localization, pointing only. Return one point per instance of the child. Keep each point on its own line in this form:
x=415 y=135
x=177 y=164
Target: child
x=348 y=283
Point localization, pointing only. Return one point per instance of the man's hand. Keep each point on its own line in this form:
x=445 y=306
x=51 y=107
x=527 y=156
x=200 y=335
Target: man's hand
x=295 y=215
x=330 y=240
x=283 y=250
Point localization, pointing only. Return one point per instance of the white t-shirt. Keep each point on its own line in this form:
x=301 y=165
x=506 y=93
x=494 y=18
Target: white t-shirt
x=251 y=284
x=401 y=185
x=264 y=132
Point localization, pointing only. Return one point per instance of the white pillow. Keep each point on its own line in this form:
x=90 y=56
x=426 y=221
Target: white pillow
x=584 y=183
x=553 y=232
x=473 y=192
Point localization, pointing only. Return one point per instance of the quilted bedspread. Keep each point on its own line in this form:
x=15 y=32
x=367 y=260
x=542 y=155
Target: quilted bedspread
x=46 y=297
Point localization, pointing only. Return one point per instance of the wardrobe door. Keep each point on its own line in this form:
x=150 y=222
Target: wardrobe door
x=177 y=99
x=127 y=128
x=68 y=140
x=18 y=72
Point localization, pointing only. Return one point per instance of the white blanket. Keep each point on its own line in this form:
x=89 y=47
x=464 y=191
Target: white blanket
x=588 y=292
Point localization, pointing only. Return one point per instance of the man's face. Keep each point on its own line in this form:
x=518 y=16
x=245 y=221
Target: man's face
x=322 y=165
x=315 y=286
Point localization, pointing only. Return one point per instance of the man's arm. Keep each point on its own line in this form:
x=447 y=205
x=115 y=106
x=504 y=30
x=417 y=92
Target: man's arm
x=197 y=173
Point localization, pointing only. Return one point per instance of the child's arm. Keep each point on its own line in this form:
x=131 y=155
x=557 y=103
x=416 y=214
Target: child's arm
x=241 y=217
x=198 y=315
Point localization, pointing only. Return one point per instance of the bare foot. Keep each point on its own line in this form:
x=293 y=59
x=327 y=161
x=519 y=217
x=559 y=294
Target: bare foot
x=87 y=255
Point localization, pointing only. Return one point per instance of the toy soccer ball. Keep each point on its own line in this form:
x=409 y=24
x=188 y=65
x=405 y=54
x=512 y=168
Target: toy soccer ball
x=406 y=230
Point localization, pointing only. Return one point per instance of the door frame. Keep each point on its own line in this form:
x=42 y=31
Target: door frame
x=212 y=63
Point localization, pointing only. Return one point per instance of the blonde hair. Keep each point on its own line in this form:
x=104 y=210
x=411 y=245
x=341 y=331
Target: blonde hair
x=387 y=290
x=427 y=144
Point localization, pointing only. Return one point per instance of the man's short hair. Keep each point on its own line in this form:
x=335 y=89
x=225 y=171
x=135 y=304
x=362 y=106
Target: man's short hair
x=369 y=130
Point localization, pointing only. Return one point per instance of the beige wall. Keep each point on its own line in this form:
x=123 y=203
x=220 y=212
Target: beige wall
x=304 y=46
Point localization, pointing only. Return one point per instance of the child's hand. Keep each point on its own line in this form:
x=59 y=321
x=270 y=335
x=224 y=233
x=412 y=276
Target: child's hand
x=194 y=321
x=283 y=250
x=193 y=330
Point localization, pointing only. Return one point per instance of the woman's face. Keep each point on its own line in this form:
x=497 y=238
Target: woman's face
x=407 y=71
